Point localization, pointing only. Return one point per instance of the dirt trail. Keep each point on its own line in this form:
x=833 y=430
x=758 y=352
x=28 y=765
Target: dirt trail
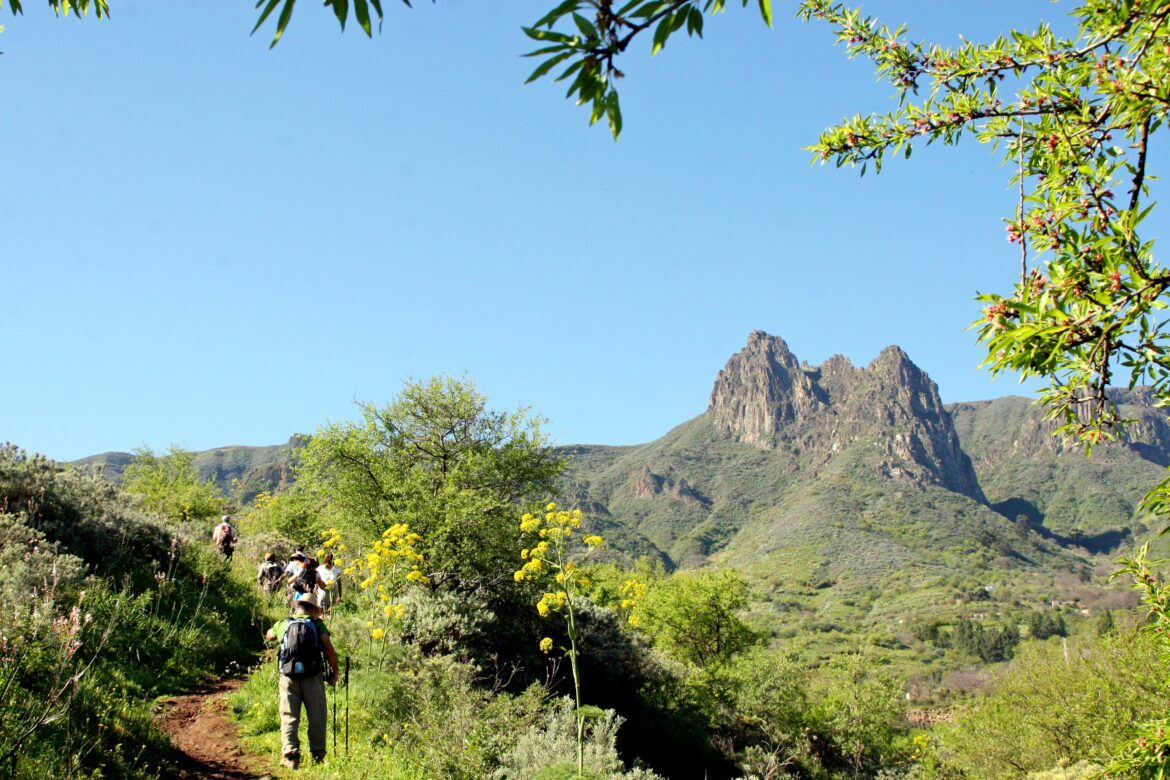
x=202 y=731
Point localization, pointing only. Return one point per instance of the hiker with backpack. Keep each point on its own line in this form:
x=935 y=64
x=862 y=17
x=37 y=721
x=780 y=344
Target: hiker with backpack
x=270 y=573
x=307 y=661
x=224 y=537
x=308 y=581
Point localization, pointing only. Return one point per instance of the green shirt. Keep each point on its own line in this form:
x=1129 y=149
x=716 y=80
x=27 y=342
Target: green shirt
x=279 y=628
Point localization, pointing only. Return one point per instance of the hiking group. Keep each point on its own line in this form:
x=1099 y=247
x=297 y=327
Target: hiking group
x=302 y=574
x=307 y=661
x=306 y=656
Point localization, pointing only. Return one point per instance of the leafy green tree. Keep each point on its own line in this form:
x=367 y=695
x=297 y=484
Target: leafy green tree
x=170 y=486
x=1056 y=705
x=438 y=460
x=1074 y=118
x=859 y=709
x=1147 y=753
x=764 y=706
x=694 y=617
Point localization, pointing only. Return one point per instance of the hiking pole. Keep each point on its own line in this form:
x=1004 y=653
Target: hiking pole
x=346 y=706
x=334 y=687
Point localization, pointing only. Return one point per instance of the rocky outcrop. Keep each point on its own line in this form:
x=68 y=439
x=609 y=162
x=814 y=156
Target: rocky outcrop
x=647 y=484
x=765 y=397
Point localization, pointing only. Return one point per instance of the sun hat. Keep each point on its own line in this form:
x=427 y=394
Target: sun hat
x=309 y=599
x=297 y=556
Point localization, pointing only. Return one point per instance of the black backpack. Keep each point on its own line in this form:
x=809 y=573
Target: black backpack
x=301 y=654
x=271 y=573
x=307 y=581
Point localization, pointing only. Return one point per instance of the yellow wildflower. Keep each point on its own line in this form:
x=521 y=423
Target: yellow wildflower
x=546 y=645
x=377 y=633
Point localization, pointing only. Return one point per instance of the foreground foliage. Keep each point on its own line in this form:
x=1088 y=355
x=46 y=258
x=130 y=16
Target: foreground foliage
x=105 y=610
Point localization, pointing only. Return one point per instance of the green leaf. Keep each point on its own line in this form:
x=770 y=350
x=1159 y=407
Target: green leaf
x=695 y=22
x=614 y=113
x=661 y=33
x=547 y=65
x=341 y=11
x=282 y=22
x=545 y=50
x=598 y=109
x=766 y=11
x=584 y=25
x=567 y=7
x=264 y=15
x=569 y=71
x=649 y=9
x=546 y=35
x=361 y=10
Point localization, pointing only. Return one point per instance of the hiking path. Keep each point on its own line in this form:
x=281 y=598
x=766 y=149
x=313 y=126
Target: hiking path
x=207 y=738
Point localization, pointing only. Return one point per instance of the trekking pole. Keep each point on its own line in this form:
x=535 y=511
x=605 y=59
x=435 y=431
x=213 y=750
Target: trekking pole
x=347 y=706
x=334 y=718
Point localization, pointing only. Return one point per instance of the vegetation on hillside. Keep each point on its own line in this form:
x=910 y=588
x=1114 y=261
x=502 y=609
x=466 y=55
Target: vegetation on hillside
x=107 y=606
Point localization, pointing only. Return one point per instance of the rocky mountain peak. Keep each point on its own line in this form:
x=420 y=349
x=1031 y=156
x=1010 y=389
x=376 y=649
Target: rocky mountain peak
x=766 y=398
x=761 y=390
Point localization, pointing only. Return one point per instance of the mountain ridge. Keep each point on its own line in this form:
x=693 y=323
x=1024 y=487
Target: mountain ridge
x=851 y=491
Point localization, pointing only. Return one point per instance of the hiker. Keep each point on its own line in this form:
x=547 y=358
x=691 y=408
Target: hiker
x=308 y=581
x=270 y=573
x=330 y=575
x=224 y=537
x=307 y=661
x=292 y=570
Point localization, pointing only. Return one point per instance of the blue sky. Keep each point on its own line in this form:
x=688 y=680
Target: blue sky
x=208 y=243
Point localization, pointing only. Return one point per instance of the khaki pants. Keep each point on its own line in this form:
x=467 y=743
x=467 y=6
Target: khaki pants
x=310 y=692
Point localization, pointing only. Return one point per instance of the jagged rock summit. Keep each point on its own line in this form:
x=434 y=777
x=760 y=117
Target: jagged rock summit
x=765 y=397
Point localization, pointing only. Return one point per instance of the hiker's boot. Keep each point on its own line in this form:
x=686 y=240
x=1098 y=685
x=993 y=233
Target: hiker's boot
x=290 y=762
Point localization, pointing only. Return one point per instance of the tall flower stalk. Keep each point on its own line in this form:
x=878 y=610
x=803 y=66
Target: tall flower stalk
x=547 y=562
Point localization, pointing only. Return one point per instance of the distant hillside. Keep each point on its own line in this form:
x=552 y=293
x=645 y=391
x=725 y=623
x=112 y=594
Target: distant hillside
x=1027 y=473
x=848 y=493
x=241 y=472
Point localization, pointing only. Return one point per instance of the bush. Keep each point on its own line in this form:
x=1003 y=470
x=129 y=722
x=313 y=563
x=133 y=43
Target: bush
x=548 y=749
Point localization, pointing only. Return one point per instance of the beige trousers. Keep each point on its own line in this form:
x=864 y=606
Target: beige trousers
x=310 y=692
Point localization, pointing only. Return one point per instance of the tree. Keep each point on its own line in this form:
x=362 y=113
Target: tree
x=438 y=460
x=1075 y=118
x=1056 y=705
x=693 y=617
x=859 y=708
x=170 y=486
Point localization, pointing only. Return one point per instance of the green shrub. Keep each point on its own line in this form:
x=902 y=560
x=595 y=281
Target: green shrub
x=548 y=749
